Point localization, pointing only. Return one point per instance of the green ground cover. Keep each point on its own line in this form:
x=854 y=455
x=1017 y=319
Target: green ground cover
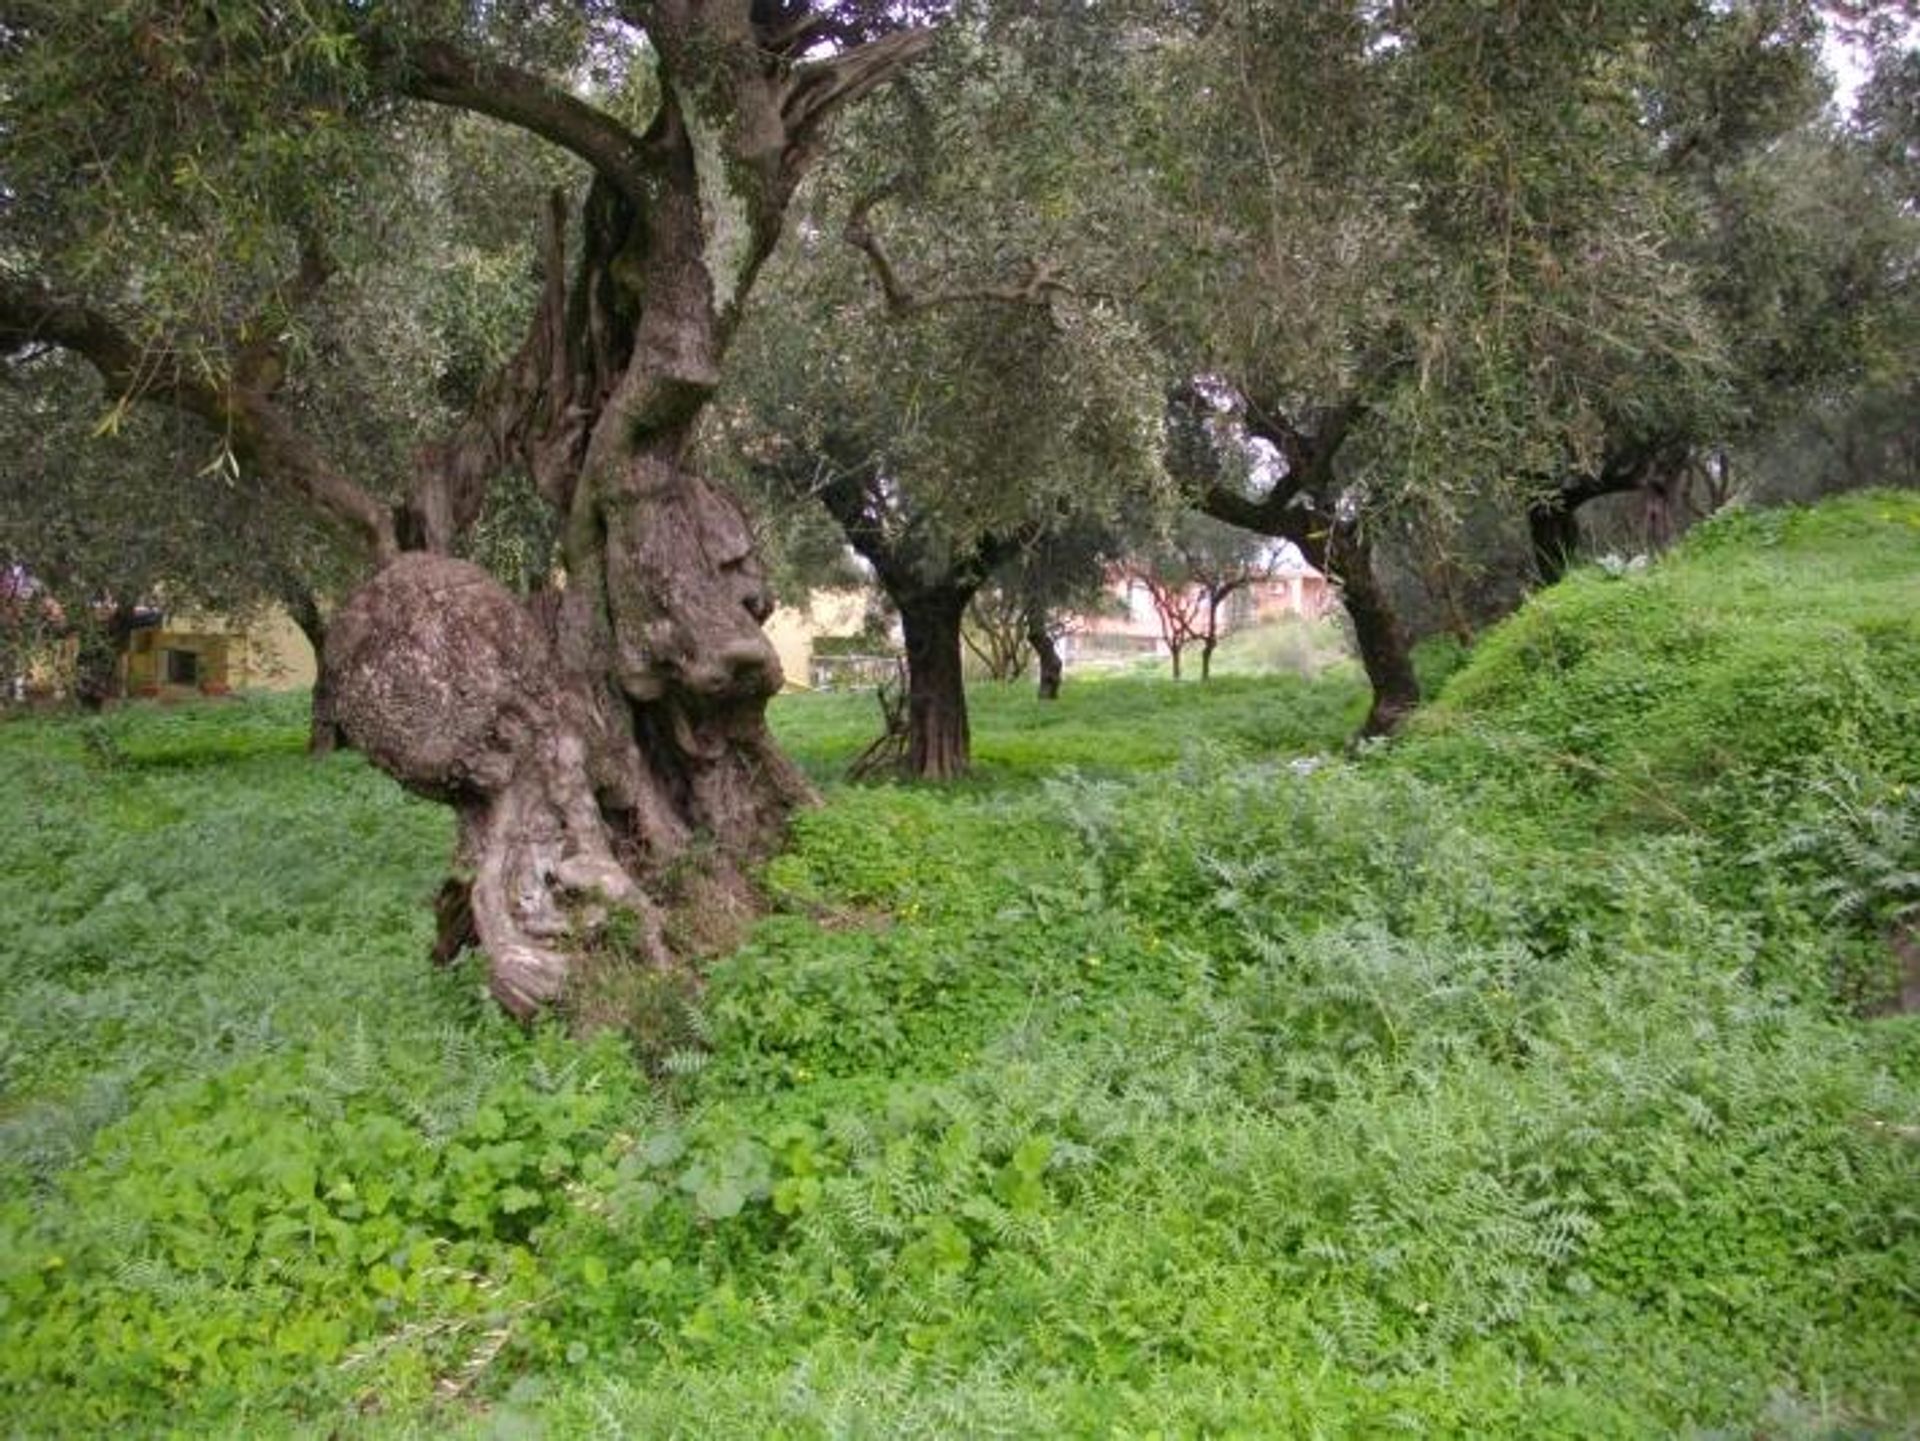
x=1107 y=725
x=1511 y=1080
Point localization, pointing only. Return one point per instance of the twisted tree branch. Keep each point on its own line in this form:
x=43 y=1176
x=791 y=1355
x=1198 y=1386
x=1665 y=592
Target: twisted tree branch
x=528 y=410
x=439 y=72
x=819 y=88
x=1039 y=286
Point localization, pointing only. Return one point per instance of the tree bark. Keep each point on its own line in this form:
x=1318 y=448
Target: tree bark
x=1048 y=654
x=1385 y=651
x=931 y=585
x=323 y=730
x=1340 y=549
x=1554 y=530
x=1210 y=640
x=1307 y=509
x=1663 y=499
x=611 y=750
x=324 y=736
x=939 y=743
x=1553 y=521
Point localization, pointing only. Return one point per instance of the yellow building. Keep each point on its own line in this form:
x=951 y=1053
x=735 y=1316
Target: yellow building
x=793 y=630
x=170 y=663
x=211 y=655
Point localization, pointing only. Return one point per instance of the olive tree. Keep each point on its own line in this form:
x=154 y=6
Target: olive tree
x=608 y=735
x=973 y=407
x=1428 y=255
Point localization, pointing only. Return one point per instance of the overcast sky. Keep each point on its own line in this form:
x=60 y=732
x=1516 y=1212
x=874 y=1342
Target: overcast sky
x=1849 y=66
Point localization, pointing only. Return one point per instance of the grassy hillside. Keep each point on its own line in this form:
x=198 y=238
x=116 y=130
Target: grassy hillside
x=1777 y=642
x=1508 y=1081
x=1755 y=700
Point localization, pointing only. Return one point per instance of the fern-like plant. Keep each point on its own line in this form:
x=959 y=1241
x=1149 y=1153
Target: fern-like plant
x=1866 y=842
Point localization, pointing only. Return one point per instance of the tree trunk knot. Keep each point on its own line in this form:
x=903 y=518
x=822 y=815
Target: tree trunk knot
x=441 y=677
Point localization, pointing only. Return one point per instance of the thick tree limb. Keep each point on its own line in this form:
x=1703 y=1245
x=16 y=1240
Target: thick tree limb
x=444 y=75
x=791 y=29
x=258 y=431
x=1262 y=515
x=1309 y=453
x=896 y=546
x=849 y=499
x=1304 y=508
x=263 y=436
x=1552 y=519
x=32 y=315
x=1308 y=450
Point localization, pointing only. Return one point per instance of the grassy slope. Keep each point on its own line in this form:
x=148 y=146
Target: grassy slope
x=1500 y=1083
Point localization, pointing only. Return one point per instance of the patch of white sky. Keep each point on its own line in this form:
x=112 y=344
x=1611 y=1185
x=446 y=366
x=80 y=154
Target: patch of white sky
x=1849 y=57
x=1850 y=63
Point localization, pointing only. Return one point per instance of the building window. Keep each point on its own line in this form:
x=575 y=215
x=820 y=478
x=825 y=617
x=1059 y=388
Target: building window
x=183 y=667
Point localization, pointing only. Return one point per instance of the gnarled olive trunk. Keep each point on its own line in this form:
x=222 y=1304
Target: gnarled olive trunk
x=574 y=794
x=605 y=745
x=939 y=744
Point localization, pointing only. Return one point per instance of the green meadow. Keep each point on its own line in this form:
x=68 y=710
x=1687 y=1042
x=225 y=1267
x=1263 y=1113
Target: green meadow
x=1182 y=1073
